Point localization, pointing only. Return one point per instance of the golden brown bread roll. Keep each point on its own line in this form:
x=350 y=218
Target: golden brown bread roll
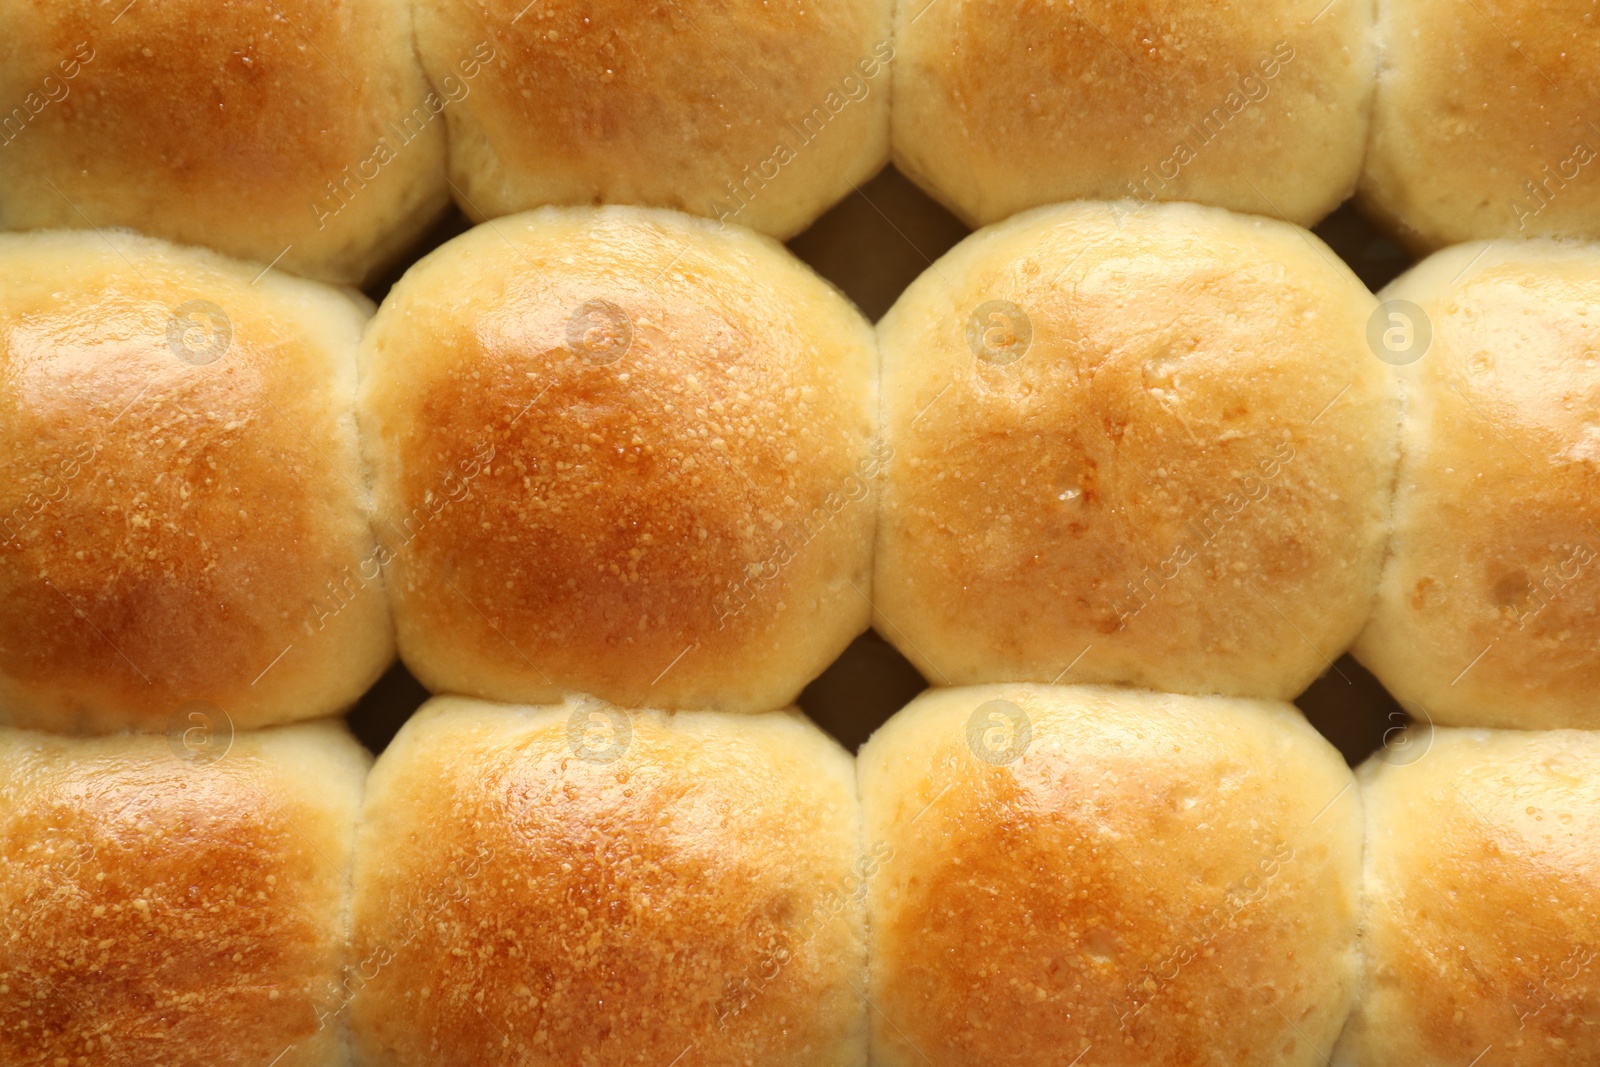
x=1483 y=121
x=1115 y=875
x=175 y=905
x=1482 y=926
x=626 y=452
x=759 y=114
x=1487 y=613
x=1001 y=106
x=182 y=514
x=1147 y=447
x=283 y=131
x=581 y=884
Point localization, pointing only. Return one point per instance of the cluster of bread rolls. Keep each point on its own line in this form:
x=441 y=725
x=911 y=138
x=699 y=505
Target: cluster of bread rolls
x=326 y=139
x=1120 y=476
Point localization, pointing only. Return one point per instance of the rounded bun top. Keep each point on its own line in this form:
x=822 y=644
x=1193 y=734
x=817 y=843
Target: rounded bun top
x=1092 y=867
x=1485 y=616
x=179 y=488
x=158 y=910
x=1001 y=106
x=616 y=886
x=261 y=128
x=1483 y=124
x=1483 y=872
x=762 y=114
x=621 y=451
x=1152 y=432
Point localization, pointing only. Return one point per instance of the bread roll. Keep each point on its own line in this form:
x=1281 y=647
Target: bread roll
x=176 y=906
x=1484 y=121
x=1481 y=929
x=1115 y=875
x=1136 y=446
x=1261 y=107
x=626 y=452
x=1488 y=613
x=285 y=131
x=182 y=515
x=580 y=884
x=759 y=114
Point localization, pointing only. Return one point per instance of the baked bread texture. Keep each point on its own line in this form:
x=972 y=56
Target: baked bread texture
x=281 y=131
x=176 y=900
x=183 y=514
x=757 y=114
x=578 y=883
x=1001 y=106
x=625 y=452
x=1483 y=122
x=1120 y=876
x=1488 y=614
x=1143 y=446
x=1482 y=881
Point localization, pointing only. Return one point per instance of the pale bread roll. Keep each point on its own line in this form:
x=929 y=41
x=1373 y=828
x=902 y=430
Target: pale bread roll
x=1116 y=875
x=581 y=884
x=1481 y=935
x=176 y=901
x=1134 y=446
x=1489 y=609
x=281 y=131
x=756 y=114
x=626 y=452
x=1484 y=122
x=183 y=514
x=1261 y=107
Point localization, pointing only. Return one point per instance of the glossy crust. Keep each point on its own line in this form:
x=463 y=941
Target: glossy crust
x=181 y=509
x=1489 y=609
x=1484 y=121
x=1146 y=447
x=578 y=884
x=1260 y=107
x=760 y=114
x=187 y=912
x=261 y=128
x=623 y=452
x=1150 y=878
x=1482 y=922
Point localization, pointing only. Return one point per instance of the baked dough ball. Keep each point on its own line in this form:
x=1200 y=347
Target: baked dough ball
x=1482 y=896
x=288 y=131
x=760 y=114
x=172 y=905
x=1122 y=876
x=181 y=510
x=1489 y=609
x=625 y=452
x=1136 y=446
x=1483 y=121
x=1259 y=107
x=580 y=884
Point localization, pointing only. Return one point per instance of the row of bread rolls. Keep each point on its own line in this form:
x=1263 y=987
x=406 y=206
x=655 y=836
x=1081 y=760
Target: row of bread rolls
x=316 y=136
x=632 y=453
x=1008 y=876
